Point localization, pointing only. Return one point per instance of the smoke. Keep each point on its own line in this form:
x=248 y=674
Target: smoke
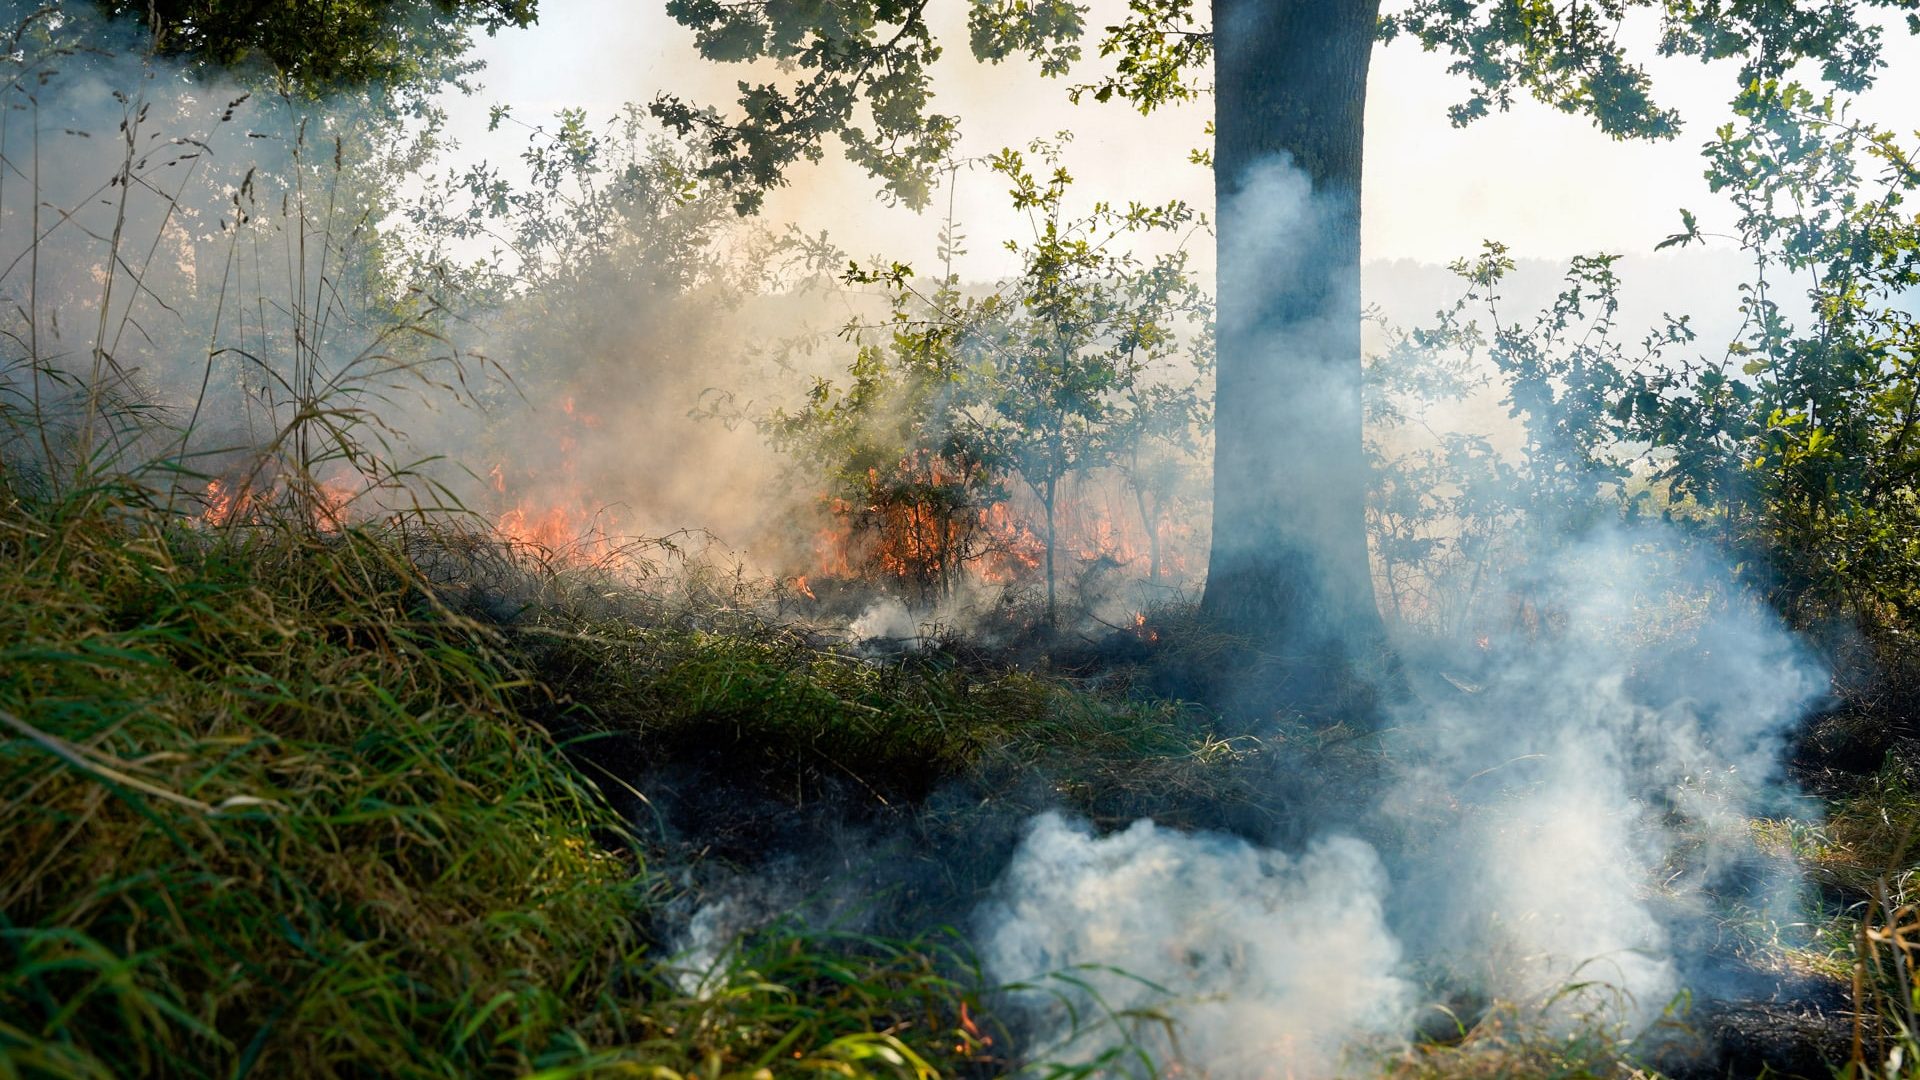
x=80 y=316
x=1565 y=806
x=1606 y=769
x=191 y=260
x=702 y=948
x=885 y=618
x=1556 y=821
x=1289 y=315
x=1554 y=836
x=189 y=271
x=1262 y=961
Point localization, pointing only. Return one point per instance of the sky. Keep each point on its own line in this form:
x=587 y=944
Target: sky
x=1547 y=184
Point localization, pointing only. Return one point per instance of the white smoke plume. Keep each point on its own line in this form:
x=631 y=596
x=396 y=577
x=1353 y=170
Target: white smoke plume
x=1267 y=963
x=1554 y=827
x=1559 y=813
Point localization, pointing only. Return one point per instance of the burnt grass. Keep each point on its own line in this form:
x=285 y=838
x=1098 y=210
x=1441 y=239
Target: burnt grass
x=882 y=786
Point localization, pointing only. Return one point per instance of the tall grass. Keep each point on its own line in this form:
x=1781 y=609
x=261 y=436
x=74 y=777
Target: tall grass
x=274 y=813
x=277 y=812
x=270 y=804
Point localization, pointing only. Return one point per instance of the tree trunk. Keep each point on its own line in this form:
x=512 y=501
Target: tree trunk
x=1289 y=567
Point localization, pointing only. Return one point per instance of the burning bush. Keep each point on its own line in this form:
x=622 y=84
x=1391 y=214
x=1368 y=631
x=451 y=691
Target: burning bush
x=1089 y=360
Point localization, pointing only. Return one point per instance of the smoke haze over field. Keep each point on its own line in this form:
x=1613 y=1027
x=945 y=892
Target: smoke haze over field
x=1559 y=802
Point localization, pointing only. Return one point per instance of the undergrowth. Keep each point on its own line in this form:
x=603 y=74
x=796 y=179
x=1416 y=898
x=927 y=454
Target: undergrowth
x=298 y=801
x=780 y=700
x=271 y=809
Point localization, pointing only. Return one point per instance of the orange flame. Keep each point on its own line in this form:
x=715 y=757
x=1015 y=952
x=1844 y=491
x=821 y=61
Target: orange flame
x=223 y=505
x=325 y=504
x=551 y=509
x=566 y=528
x=911 y=539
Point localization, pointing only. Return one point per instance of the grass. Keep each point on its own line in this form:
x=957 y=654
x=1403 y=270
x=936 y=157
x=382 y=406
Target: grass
x=1865 y=859
x=276 y=810
x=1510 y=1042
x=684 y=666
x=321 y=802
x=292 y=799
x=285 y=797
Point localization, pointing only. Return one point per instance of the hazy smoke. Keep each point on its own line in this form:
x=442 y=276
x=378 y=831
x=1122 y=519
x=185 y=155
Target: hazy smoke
x=1554 y=826
x=185 y=260
x=1557 y=806
x=1265 y=961
x=203 y=252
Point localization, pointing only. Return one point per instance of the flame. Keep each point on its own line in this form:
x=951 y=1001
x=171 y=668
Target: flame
x=566 y=528
x=326 y=503
x=911 y=525
x=1015 y=550
x=223 y=505
x=551 y=508
x=331 y=499
x=912 y=540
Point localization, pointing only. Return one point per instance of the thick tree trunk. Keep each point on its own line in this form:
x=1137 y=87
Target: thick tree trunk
x=1289 y=566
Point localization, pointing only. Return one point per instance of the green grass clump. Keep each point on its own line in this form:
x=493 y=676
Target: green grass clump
x=797 y=711
x=269 y=808
x=271 y=813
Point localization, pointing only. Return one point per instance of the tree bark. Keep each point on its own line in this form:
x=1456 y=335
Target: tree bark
x=1289 y=566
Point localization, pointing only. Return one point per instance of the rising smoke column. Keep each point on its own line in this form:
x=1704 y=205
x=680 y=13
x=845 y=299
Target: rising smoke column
x=1559 y=824
x=1562 y=809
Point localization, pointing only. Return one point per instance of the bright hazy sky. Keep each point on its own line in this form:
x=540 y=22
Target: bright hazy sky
x=1545 y=183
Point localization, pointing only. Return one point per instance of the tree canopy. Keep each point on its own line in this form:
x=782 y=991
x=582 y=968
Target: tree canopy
x=878 y=54
x=328 y=45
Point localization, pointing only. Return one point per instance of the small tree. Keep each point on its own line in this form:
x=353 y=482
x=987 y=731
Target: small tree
x=609 y=285
x=1051 y=374
x=1070 y=364
x=1798 y=444
x=901 y=446
x=1793 y=444
x=1288 y=567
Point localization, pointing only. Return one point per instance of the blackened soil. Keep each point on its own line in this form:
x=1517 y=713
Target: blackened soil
x=909 y=857
x=1806 y=1038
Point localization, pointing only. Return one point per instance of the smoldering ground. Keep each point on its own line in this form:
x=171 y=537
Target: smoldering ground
x=1558 y=821
x=1561 y=826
